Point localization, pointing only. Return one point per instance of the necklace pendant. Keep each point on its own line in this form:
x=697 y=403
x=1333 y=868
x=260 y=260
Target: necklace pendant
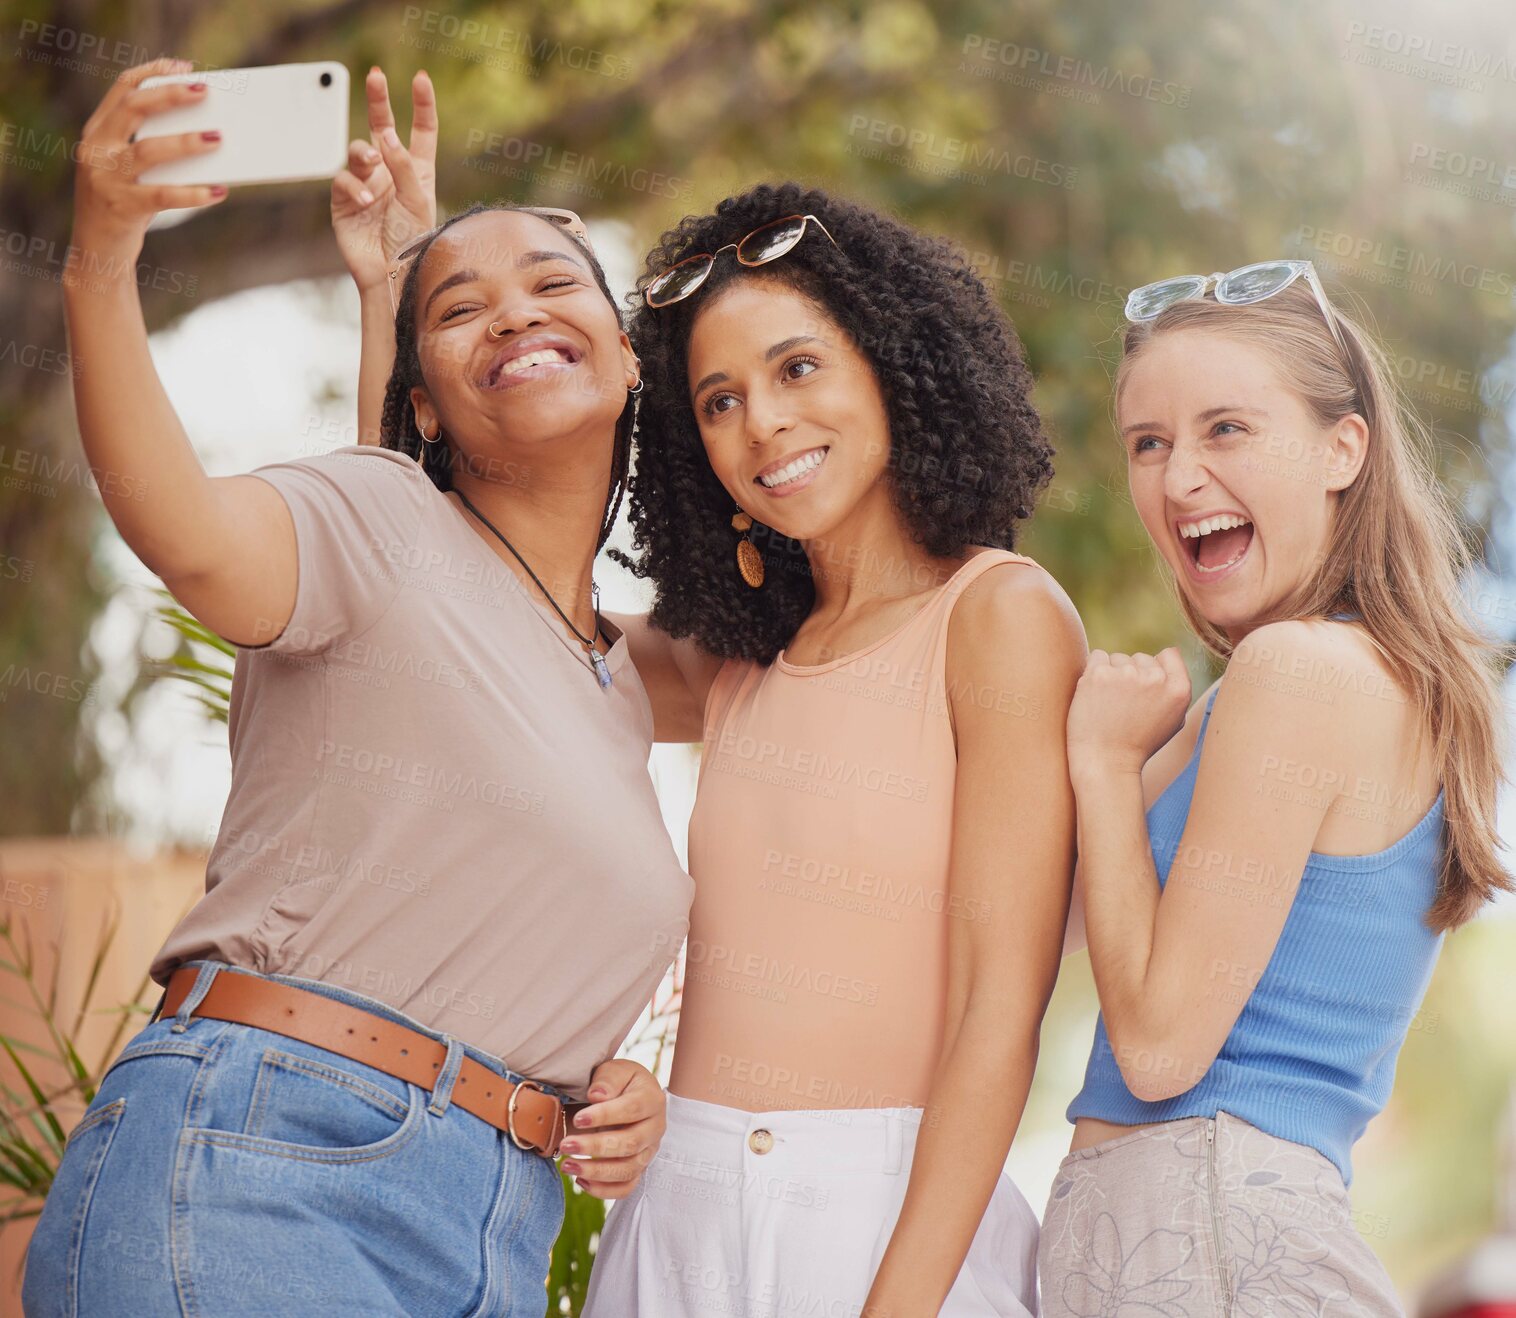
x=601 y=671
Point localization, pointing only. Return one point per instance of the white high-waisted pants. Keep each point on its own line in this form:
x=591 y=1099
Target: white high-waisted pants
x=788 y=1213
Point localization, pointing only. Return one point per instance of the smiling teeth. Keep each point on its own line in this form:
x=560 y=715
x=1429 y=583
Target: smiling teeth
x=1224 y=522
x=518 y=364
x=806 y=462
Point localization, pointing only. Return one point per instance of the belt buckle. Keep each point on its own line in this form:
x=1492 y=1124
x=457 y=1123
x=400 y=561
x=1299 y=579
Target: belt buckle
x=510 y=1117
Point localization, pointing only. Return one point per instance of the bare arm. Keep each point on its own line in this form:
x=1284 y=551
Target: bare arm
x=193 y=530
x=1012 y=857
x=677 y=675
x=385 y=197
x=1175 y=966
x=376 y=359
x=1164 y=765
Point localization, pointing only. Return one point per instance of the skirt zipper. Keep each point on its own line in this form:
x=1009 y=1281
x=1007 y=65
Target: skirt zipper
x=1222 y=1271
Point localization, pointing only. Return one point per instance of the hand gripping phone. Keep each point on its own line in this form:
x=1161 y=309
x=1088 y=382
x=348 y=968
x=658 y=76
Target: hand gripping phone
x=278 y=123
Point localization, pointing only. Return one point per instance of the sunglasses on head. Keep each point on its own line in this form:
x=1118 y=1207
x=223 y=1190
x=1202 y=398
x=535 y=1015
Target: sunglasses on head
x=766 y=243
x=1248 y=283
x=566 y=219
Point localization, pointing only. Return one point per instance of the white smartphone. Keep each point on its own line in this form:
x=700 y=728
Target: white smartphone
x=278 y=123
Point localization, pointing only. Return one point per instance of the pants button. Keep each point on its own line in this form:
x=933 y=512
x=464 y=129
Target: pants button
x=760 y=1141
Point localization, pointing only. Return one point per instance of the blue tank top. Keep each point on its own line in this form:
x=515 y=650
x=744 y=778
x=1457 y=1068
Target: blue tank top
x=1312 y=1056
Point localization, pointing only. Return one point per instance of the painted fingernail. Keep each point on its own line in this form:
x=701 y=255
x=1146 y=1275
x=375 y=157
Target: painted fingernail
x=597 y=1092
x=211 y=135
x=570 y=1146
x=570 y=1169
x=197 y=86
x=581 y=1118
x=218 y=190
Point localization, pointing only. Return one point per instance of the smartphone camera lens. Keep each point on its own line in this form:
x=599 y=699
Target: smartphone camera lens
x=326 y=79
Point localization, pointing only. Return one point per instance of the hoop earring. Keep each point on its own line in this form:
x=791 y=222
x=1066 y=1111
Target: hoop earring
x=638 y=389
x=749 y=560
x=435 y=439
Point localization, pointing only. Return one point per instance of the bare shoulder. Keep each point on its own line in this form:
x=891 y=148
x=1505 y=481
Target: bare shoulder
x=1327 y=686
x=1335 y=666
x=1014 y=605
x=1308 y=638
x=1015 y=643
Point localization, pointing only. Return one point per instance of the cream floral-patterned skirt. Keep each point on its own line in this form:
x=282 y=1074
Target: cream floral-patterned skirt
x=1206 y=1217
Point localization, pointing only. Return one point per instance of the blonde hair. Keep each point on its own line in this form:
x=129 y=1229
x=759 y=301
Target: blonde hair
x=1394 y=555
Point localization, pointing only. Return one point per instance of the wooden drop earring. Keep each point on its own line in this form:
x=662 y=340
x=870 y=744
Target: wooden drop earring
x=749 y=560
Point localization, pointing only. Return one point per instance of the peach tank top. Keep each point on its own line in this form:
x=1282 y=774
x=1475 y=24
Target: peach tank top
x=816 y=970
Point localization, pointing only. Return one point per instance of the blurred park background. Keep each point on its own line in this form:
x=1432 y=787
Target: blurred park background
x=1073 y=150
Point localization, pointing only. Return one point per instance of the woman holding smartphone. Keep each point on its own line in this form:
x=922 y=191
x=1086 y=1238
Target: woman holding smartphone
x=442 y=890
x=1267 y=878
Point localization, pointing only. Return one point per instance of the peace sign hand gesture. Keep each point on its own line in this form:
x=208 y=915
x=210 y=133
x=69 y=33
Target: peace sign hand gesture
x=387 y=195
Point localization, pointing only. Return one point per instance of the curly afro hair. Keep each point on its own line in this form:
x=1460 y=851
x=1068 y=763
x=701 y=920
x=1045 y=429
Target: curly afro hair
x=397 y=422
x=968 y=455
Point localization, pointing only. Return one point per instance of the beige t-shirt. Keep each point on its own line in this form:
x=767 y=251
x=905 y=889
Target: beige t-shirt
x=433 y=801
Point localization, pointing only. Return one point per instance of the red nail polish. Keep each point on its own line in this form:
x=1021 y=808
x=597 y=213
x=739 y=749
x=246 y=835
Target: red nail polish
x=211 y=135
x=218 y=190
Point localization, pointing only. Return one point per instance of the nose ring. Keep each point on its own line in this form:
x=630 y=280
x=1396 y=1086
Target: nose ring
x=492 y=333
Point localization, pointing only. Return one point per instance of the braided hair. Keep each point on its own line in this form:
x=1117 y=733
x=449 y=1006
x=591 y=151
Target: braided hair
x=397 y=423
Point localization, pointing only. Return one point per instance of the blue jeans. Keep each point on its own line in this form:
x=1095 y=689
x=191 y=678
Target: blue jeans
x=225 y=1170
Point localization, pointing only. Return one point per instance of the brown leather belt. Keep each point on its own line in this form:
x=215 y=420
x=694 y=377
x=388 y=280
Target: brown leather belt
x=533 y=1118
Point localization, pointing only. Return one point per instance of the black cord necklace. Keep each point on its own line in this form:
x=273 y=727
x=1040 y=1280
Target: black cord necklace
x=602 y=673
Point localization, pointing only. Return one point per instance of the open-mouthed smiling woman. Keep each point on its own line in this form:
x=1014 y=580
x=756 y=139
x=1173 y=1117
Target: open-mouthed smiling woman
x=442 y=891
x=1267 y=878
